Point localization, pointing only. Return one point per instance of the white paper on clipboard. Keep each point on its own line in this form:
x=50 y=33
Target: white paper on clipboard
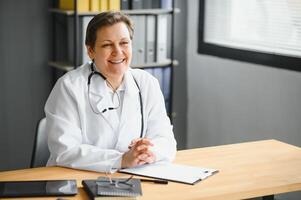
x=172 y=172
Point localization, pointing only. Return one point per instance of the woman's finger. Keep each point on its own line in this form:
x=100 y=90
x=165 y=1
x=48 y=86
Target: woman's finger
x=144 y=141
x=143 y=156
x=142 y=147
x=141 y=162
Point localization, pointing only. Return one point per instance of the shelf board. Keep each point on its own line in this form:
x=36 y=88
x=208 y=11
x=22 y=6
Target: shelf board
x=61 y=65
x=68 y=67
x=147 y=11
x=129 y=12
x=166 y=63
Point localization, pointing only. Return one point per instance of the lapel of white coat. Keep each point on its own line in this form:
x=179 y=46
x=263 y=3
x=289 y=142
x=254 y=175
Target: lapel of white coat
x=100 y=98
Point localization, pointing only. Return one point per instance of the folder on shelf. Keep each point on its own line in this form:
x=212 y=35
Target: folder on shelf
x=70 y=39
x=137 y=4
x=82 y=5
x=125 y=4
x=150 y=38
x=114 y=4
x=103 y=5
x=85 y=21
x=82 y=55
x=156 y=3
x=138 y=40
x=162 y=31
x=60 y=43
x=94 y=5
x=166 y=86
x=158 y=74
x=172 y=172
x=147 y=4
x=163 y=76
x=149 y=70
x=166 y=4
x=134 y=43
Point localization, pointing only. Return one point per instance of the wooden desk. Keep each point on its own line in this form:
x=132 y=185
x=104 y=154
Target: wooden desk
x=247 y=170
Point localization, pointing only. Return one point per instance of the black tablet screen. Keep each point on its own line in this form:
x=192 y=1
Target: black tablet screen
x=38 y=188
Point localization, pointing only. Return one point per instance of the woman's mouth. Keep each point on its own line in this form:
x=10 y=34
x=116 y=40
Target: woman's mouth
x=117 y=61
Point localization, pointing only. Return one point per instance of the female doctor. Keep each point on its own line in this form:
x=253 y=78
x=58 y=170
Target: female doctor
x=104 y=116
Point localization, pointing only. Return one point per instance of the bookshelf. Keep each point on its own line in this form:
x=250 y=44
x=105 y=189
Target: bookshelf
x=74 y=22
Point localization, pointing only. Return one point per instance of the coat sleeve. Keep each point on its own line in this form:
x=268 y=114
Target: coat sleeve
x=159 y=129
x=65 y=136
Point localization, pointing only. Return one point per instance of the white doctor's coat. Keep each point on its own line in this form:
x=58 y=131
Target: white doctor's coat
x=79 y=138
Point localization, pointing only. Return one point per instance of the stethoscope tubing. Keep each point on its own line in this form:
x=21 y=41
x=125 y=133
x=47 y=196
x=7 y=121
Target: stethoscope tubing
x=94 y=72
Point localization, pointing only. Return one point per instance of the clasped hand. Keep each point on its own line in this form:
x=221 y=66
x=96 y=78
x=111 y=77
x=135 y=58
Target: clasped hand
x=139 y=153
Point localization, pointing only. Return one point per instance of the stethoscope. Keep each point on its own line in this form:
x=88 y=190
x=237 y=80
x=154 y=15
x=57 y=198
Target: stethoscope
x=94 y=72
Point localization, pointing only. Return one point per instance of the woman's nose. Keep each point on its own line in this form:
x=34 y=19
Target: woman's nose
x=117 y=50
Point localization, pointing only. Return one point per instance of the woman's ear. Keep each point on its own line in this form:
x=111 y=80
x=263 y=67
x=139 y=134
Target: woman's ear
x=90 y=52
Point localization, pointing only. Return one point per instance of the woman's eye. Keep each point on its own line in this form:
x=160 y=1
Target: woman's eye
x=106 y=45
x=124 y=43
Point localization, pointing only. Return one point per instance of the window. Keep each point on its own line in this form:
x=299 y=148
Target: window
x=260 y=31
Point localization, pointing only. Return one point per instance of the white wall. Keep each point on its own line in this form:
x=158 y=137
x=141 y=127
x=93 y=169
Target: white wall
x=231 y=101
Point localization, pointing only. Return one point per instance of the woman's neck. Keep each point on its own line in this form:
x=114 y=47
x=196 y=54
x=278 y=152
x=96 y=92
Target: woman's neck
x=115 y=82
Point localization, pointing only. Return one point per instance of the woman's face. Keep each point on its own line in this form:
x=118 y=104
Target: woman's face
x=112 y=52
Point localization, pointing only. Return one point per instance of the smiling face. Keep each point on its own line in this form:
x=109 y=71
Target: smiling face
x=112 y=52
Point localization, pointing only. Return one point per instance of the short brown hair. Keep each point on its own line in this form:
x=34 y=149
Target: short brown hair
x=103 y=19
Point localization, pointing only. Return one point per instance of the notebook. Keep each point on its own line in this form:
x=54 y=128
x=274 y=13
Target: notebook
x=106 y=192
x=172 y=172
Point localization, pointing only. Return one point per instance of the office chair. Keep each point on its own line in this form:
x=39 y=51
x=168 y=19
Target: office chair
x=40 y=153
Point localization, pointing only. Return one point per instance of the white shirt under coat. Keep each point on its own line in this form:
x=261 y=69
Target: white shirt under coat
x=79 y=138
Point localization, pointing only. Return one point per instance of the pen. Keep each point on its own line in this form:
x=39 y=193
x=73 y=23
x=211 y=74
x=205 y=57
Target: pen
x=154 y=181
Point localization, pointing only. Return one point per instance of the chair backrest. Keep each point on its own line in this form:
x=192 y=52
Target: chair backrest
x=40 y=153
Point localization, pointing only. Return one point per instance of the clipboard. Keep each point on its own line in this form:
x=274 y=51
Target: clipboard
x=172 y=172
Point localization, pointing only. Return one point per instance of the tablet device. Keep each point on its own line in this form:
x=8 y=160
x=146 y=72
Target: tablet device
x=38 y=188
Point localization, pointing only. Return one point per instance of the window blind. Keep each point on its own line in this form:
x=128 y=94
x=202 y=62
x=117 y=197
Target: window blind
x=268 y=26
